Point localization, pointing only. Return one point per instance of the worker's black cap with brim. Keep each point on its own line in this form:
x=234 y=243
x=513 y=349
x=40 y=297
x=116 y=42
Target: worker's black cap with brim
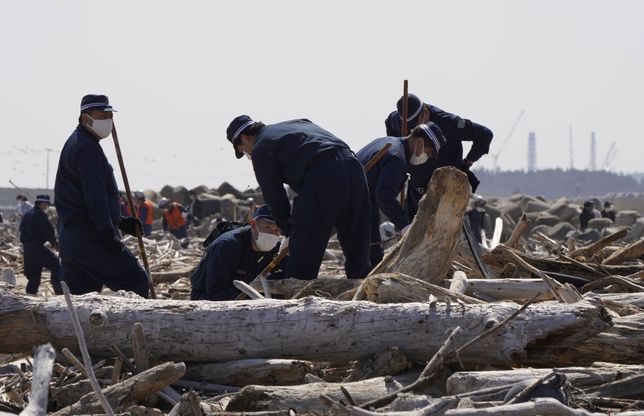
x=433 y=135
x=263 y=212
x=95 y=102
x=414 y=107
x=43 y=198
x=235 y=129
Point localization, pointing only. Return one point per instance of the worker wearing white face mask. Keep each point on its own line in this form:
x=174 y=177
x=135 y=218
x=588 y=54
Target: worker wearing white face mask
x=87 y=200
x=239 y=254
x=388 y=176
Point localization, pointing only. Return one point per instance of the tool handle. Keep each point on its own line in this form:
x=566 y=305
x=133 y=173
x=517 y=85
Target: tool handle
x=405 y=108
x=372 y=162
x=130 y=201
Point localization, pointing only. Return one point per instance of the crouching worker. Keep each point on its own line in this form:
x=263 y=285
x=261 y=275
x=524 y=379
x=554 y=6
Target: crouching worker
x=239 y=254
x=35 y=230
x=175 y=218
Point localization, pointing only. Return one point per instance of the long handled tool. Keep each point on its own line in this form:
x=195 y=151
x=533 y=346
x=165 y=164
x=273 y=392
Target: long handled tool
x=404 y=130
x=130 y=203
x=20 y=189
x=283 y=252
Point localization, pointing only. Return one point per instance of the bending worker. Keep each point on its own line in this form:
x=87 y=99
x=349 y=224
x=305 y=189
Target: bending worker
x=455 y=129
x=174 y=218
x=239 y=254
x=387 y=177
x=35 y=230
x=330 y=185
x=87 y=200
x=145 y=212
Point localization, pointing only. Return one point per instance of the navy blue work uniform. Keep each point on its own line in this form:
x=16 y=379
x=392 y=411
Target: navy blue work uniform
x=230 y=257
x=477 y=223
x=456 y=130
x=385 y=180
x=35 y=230
x=87 y=201
x=331 y=191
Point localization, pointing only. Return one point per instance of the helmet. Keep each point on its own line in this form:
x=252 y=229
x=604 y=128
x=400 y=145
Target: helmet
x=139 y=195
x=479 y=201
x=387 y=230
x=164 y=202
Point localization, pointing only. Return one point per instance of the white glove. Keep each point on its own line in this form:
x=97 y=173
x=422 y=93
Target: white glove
x=405 y=229
x=284 y=245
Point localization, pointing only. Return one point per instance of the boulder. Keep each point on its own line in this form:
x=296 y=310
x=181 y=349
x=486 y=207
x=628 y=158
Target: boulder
x=563 y=209
x=209 y=205
x=560 y=231
x=226 y=188
x=178 y=194
x=636 y=232
x=626 y=218
x=600 y=223
x=545 y=229
x=228 y=204
x=588 y=236
x=201 y=189
x=535 y=206
x=513 y=210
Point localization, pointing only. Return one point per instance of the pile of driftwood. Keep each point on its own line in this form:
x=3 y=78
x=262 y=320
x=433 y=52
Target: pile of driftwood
x=532 y=326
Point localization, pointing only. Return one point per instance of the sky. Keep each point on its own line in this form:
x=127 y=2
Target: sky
x=180 y=71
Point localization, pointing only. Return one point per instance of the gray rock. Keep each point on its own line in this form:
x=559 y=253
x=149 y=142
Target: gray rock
x=600 y=223
x=589 y=236
x=178 y=194
x=563 y=209
x=626 y=218
x=560 y=231
x=636 y=232
x=226 y=188
x=536 y=206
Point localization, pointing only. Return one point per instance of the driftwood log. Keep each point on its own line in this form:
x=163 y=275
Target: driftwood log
x=427 y=249
x=253 y=371
x=400 y=288
x=580 y=377
x=629 y=252
x=311 y=328
x=507 y=289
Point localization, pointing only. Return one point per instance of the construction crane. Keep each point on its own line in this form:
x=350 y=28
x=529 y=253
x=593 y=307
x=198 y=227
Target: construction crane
x=495 y=156
x=610 y=156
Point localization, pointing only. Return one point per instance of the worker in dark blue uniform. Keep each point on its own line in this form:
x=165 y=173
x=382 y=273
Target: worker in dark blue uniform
x=478 y=218
x=87 y=200
x=455 y=129
x=387 y=177
x=330 y=185
x=35 y=231
x=239 y=254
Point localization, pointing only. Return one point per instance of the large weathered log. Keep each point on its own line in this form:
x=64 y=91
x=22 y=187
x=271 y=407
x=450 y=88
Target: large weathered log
x=507 y=289
x=427 y=249
x=580 y=377
x=400 y=288
x=253 y=371
x=311 y=328
x=541 y=406
x=130 y=391
x=623 y=343
x=631 y=251
x=306 y=398
x=520 y=229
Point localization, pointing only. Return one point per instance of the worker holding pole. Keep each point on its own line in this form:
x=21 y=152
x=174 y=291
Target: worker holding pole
x=87 y=200
x=330 y=184
x=455 y=129
x=387 y=176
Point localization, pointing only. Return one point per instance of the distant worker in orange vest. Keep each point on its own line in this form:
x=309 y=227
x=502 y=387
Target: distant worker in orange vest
x=145 y=212
x=174 y=218
x=125 y=209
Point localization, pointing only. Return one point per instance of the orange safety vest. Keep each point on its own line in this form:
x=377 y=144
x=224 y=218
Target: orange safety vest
x=174 y=218
x=149 y=219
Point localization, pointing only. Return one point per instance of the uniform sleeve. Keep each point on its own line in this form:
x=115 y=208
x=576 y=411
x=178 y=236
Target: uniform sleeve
x=221 y=269
x=392 y=175
x=91 y=172
x=463 y=129
x=269 y=178
x=390 y=125
x=47 y=229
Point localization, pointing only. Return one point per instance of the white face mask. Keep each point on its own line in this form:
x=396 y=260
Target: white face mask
x=419 y=160
x=102 y=128
x=248 y=156
x=266 y=241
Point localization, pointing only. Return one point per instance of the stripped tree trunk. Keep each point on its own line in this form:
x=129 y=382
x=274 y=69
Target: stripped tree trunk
x=311 y=328
x=253 y=371
x=427 y=249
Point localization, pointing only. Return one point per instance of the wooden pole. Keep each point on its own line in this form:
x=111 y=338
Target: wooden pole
x=404 y=130
x=130 y=202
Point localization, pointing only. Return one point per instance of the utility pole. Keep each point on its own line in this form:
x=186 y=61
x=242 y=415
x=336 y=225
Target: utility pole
x=532 y=152
x=593 y=154
x=572 y=160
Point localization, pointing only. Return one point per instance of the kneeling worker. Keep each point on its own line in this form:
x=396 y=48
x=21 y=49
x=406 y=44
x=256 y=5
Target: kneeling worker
x=175 y=218
x=388 y=175
x=35 y=230
x=239 y=254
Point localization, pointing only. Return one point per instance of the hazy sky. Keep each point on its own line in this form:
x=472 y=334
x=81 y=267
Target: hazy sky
x=179 y=71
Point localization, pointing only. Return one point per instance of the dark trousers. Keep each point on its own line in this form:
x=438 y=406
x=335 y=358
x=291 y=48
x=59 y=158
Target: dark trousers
x=147 y=230
x=88 y=264
x=37 y=257
x=181 y=232
x=333 y=193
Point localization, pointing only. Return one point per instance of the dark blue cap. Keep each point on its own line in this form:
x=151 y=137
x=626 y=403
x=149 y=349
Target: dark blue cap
x=235 y=129
x=263 y=212
x=414 y=108
x=43 y=198
x=95 y=102
x=432 y=135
